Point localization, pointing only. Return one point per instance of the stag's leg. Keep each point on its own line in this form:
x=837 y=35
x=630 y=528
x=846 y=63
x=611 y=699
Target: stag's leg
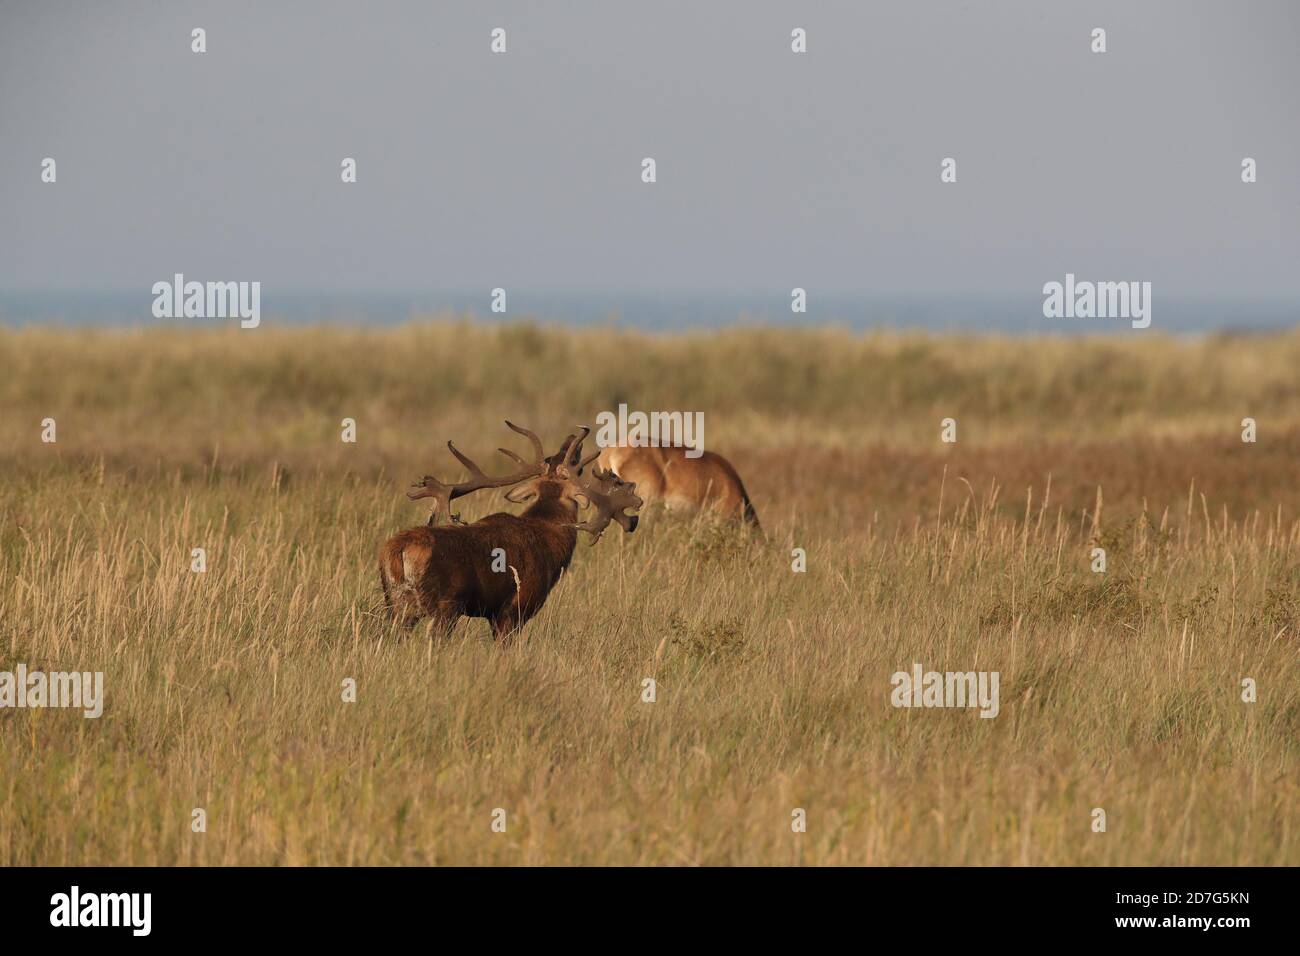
x=401 y=568
x=404 y=600
x=396 y=607
x=402 y=603
x=406 y=611
x=388 y=597
x=507 y=624
x=504 y=626
x=443 y=618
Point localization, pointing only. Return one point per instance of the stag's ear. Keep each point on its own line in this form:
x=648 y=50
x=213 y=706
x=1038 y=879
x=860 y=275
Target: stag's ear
x=522 y=493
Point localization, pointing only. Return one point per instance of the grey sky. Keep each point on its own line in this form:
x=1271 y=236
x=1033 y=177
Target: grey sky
x=775 y=170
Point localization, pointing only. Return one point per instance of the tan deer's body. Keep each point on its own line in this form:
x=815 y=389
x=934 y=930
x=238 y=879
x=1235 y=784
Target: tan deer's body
x=680 y=483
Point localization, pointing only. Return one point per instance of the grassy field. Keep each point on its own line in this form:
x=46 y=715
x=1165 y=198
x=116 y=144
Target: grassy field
x=1120 y=691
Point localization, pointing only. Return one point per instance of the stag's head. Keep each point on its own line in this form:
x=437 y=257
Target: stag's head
x=564 y=476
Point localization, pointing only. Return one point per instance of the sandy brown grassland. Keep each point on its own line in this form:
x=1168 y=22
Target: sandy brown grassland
x=1119 y=690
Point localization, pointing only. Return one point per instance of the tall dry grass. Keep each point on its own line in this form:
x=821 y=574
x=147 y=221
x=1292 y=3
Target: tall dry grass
x=1120 y=690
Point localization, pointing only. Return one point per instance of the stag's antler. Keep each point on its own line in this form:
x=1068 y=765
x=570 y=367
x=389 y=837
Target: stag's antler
x=571 y=444
x=609 y=496
x=606 y=492
x=431 y=487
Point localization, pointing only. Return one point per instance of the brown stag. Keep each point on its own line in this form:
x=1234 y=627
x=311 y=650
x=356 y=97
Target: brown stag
x=707 y=483
x=501 y=567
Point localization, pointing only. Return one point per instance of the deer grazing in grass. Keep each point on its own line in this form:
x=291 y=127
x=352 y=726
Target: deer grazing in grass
x=456 y=570
x=707 y=483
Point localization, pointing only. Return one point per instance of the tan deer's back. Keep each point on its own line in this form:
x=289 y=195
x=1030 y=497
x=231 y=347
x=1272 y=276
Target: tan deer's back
x=677 y=481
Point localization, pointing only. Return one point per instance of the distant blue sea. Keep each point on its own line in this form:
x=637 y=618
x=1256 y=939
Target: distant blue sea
x=662 y=313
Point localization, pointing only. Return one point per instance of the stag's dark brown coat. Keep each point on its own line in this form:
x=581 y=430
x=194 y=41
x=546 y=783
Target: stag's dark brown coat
x=446 y=572
x=501 y=567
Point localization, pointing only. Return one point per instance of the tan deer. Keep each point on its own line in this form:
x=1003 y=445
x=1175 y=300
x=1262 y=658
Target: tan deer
x=666 y=474
x=456 y=570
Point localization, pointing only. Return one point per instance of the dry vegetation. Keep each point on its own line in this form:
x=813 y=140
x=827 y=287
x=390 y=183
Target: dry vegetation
x=1119 y=691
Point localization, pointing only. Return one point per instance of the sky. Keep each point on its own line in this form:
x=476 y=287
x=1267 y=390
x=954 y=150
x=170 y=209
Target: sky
x=522 y=170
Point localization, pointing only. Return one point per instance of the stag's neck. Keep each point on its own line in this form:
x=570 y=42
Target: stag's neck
x=552 y=511
x=561 y=537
